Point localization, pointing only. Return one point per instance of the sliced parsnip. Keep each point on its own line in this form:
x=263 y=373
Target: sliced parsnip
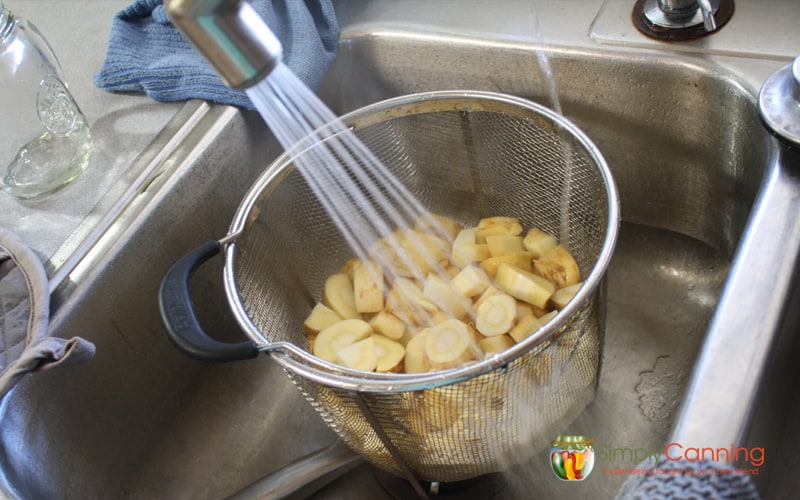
x=367 y=286
x=564 y=295
x=493 y=345
x=321 y=317
x=466 y=254
x=359 y=355
x=523 y=285
x=442 y=294
x=495 y=314
x=538 y=242
x=523 y=309
x=547 y=317
x=491 y=226
x=338 y=295
x=501 y=244
x=389 y=353
x=339 y=335
x=439 y=225
x=524 y=327
x=348 y=267
x=420 y=254
x=388 y=325
x=465 y=250
x=454 y=295
x=471 y=281
x=522 y=260
x=416 y=361
x=449 y=343
x=558 y=266
x=465 y=237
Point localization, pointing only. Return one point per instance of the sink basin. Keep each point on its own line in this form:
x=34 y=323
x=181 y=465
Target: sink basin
x=142 y=420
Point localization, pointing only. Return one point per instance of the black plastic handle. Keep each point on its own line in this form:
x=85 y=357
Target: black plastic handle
x=179 y=319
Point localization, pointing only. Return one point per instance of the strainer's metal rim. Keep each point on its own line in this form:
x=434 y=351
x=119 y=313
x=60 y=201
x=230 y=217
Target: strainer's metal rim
x=299 y=361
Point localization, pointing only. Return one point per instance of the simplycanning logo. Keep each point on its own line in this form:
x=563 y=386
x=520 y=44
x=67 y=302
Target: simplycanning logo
x=572 y=457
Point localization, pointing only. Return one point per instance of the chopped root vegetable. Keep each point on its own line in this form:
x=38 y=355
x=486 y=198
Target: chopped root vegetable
x=441 y=296
x=496 y=314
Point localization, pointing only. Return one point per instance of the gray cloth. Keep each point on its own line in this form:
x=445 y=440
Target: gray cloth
x=681 y=479
x=24 y=318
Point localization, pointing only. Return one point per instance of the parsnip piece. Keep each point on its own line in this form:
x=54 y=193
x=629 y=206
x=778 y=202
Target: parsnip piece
x=564 y=295
x=449 y=343
x=523 y=309
x=405 y=300
x=524 y=327
x=388 y=352
x=547 y=317
x=412 y=293
x=466 y=236
x=339 y=335
x=420 y=254
x=495 y=314
x=359 y=355
x=523 y=285
x=471 y=281
x=338 y=295
x=493 y=345
x=538 y=242
x=501 y=244
x=384 y=250
x=558 y=266
x=439 y=225
x=465 y=250
x=467 y=253
x=411 y=332
x=388 y=325
x=321 y=317
x=438 y=317
x=490 y=226
x=522 y=260
x=442 y=294
x=348 y=267
x=416 y=361
x=367 y=286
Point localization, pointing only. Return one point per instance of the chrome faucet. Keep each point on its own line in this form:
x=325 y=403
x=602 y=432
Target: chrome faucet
x=682 y=13
x=230 y=35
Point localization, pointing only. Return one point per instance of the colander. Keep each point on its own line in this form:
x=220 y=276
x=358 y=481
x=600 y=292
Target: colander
x=466 y=155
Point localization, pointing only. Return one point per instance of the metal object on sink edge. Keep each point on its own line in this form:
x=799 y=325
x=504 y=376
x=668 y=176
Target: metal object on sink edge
x=743 y=332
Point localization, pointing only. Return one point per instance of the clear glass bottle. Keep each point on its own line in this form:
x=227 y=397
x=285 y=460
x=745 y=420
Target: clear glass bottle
x=45 y=140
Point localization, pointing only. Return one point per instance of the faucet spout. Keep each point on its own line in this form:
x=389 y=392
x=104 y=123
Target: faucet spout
x=230 y=35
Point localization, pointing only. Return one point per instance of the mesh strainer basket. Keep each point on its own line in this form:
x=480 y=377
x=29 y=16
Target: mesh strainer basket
x=465 y=155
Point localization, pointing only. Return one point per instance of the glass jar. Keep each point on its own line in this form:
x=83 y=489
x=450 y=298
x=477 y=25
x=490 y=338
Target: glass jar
x=45 y=140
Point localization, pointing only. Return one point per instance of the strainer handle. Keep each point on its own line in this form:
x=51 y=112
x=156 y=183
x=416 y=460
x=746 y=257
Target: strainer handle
x=180 y=320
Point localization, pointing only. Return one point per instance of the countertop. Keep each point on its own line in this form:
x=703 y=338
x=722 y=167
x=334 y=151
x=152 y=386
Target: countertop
x=122 y=125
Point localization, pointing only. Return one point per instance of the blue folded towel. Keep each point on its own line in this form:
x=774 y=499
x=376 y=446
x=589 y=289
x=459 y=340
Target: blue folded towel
x=146 y=54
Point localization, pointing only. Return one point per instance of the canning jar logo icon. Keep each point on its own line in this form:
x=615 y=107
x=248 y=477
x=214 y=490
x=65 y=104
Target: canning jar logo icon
x=572 y=457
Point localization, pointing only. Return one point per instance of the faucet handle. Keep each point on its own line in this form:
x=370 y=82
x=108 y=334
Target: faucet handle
x=683 y=14
x=708 y=15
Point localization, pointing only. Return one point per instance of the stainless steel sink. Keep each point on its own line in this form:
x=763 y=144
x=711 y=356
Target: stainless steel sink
x=142 y=420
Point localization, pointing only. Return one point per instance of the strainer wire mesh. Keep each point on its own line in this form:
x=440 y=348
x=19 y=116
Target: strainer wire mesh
x=465 y=157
